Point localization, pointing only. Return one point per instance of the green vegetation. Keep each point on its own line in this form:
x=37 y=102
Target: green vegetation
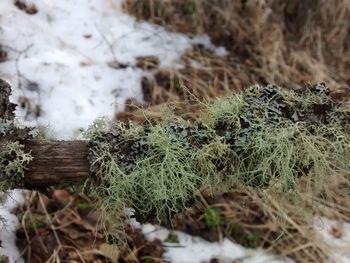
x=13 y=159
x=13 y=162
x=251 y=239
x=172 y=238
x=213 y=217
x=266 y=138
x=4 y=259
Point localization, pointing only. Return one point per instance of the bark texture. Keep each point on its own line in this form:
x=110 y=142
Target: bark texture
x=57 y=162
x=53 y=163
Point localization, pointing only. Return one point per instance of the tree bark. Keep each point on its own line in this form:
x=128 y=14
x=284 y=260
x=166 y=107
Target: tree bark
x=57 y=162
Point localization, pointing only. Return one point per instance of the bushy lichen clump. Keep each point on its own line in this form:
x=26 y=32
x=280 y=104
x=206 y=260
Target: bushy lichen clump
x=13 y=158
x=263 y=137
x=150 y=169
x=285 y=134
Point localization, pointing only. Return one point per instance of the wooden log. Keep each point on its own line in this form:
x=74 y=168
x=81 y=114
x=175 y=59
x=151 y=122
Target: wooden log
x=56 y=162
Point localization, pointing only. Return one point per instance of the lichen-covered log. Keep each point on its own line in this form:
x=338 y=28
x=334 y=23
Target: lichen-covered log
x=238 y=139
x=266 y=137
x=57 y=162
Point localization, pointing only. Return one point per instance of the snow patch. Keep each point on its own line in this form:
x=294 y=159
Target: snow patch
x=8 y=225
x=336 y=235
x=191 y=249
x=60 y=57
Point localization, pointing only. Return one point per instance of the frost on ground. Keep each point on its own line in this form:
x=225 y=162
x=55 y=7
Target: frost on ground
x=8 y=226
x=74 y=61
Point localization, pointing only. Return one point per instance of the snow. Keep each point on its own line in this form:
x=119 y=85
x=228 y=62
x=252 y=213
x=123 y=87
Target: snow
x=8 y=225
x=336 y=236
x=60 y=59
x=190 y=249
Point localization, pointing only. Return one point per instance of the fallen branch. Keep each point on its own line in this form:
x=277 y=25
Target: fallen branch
x=137 y=151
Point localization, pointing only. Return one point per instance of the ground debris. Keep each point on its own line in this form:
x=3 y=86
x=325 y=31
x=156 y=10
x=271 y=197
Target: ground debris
x=69 y=227
x=30 y=9
x=147 y=62
x=3 y=55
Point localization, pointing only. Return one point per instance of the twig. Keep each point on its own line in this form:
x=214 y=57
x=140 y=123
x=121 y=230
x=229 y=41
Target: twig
x=49 y=220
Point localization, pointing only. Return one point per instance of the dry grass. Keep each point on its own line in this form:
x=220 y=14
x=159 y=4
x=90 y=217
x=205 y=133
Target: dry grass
x=183 y=88
x=243 y=216
x=287 y=43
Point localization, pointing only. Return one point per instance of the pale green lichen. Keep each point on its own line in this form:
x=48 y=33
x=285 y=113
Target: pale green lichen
x=13 y=163
x=263 y=138
x=5 y=126
x=13 y=158
x=153 y=168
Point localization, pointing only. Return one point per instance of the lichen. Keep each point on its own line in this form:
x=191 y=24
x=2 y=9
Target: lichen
x=263 y=138
x=13 y=163
x=284 y=134
x=13 y=159
x=154 y=168
x=5 y=127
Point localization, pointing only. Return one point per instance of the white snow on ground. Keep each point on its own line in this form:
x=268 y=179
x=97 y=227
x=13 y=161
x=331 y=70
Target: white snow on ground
x=336 y=235
x=191 y=249
x=8 y=225
x=59 y=58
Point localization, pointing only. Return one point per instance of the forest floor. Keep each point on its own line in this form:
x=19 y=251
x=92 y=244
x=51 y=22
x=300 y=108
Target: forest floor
x=70 y=62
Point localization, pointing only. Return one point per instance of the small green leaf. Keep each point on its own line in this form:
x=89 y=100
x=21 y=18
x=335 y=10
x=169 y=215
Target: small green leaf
x=212 y=216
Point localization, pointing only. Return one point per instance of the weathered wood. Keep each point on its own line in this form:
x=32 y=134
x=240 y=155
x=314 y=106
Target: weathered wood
x=53 y=162
x=56 y=162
